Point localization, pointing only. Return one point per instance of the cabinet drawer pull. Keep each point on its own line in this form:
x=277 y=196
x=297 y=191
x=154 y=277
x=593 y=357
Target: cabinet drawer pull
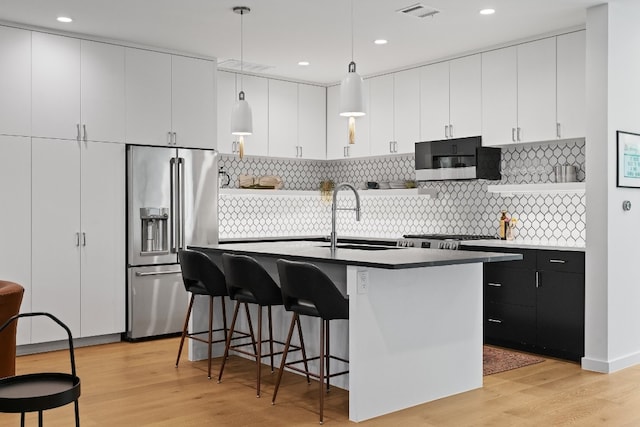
x=494 y=320
x=497 y=285
x=451 y=131
x=446 y=131
x=78 y=134
x=557 y=261
x=519 y=135
x=558 y=133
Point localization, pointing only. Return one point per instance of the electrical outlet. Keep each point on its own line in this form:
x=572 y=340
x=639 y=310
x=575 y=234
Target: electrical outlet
x=363 y=281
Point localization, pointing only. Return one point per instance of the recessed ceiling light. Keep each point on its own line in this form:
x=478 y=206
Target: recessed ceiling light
x=380 y=41
x=487 y=11
x=303 y=63
x=64 y=19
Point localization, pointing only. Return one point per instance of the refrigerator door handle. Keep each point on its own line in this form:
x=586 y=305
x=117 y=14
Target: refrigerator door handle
x=181 y=218
x=172 y=208
x=156 y=273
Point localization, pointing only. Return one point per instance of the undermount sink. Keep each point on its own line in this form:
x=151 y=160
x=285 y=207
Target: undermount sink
x=363 y=247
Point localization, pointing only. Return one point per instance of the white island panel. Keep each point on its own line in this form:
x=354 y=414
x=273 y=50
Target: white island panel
x=415 y=335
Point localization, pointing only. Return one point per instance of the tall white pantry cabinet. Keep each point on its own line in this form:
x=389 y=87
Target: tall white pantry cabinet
x=63 y=129
x=63 y=237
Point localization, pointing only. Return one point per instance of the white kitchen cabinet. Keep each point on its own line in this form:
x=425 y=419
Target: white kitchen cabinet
x=226 y=98
x=406 y=111
x=78 y=231
x=170 y=100
x=257 y=95
x=102 y=94
x=102 y=268
x=537 y=91
x=312 y=128
x=283 y=119
x=381 y=115
x=15 y=85
x=571 y=58
x=338 y=146
x=519 y=93
x=465 y=97
x=55 y=248
x=55 y=86
x=451 y=99
x=434 y=102
x=148 y=97
x=499 y=96
x=15 y=217
x=78 y=89
x=193 y=103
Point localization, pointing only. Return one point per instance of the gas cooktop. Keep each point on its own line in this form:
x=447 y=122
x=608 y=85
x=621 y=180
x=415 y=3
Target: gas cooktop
x=448 y=236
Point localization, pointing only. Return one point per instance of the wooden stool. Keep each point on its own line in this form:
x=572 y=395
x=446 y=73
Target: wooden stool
x=307 y=290
x=202 y=277
x=249 y=283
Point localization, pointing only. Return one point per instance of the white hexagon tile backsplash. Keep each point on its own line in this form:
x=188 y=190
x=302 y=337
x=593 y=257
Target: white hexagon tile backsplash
x=462 y=207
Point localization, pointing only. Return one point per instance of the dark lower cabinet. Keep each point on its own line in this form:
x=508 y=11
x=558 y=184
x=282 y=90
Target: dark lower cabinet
x=536 y=304
x=509 y=322
x=560 y=312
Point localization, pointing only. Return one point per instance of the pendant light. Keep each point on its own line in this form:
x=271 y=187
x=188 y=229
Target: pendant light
x=351 y=93
x=241 y=117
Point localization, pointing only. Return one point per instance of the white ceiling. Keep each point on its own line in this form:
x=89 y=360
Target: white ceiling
x=279 y=33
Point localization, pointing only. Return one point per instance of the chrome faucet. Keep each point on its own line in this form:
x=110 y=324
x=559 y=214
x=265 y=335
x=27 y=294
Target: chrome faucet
x=334 y=208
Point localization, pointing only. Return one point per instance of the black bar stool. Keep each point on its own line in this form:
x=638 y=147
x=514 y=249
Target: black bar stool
x=249 y=283
x=307 y=290
x=202 y=277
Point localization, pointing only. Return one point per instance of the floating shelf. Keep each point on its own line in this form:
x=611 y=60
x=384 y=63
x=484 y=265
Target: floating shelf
x=429 y=192
x=544 y=188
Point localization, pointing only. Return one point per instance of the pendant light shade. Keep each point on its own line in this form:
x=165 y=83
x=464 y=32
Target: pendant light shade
x=351 y=93
x=241 y=117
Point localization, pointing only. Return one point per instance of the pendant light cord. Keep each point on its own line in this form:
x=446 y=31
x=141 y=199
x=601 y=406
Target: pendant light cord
x=351 y=30
x=241 y=50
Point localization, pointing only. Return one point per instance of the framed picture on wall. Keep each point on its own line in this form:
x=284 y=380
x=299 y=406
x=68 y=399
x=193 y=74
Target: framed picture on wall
x=628 y=153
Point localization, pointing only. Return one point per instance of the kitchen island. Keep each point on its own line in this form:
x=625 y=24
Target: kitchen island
x=414 y=332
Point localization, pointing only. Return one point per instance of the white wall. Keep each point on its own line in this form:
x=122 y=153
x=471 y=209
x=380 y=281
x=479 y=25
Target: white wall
x=612 y=339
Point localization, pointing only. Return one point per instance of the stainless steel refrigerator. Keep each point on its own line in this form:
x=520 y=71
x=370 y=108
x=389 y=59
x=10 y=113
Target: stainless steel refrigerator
x=172 y=202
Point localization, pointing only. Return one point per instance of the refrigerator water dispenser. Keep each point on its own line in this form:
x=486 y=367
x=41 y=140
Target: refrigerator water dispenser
x=154 y=230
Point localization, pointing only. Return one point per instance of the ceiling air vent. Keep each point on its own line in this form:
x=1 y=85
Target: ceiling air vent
x=234 y=65
x=419 y=10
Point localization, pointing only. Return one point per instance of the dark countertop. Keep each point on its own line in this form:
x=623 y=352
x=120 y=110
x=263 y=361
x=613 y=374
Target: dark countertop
x=387 y=257
x=556 y=245
x=551 y=245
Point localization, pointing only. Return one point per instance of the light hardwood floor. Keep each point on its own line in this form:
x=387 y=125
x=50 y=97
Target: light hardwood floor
x=126 y=384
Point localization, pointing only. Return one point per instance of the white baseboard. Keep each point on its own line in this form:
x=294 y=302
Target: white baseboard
x=22 y=350
x=609 y=366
